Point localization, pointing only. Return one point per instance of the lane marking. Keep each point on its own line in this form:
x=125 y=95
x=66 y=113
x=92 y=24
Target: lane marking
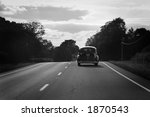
x=59 y=73
x=44 y=87
x=148 y=90
x=66 y=67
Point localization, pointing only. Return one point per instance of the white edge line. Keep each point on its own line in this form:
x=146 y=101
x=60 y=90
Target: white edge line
x=44 y=87
x=148 y=90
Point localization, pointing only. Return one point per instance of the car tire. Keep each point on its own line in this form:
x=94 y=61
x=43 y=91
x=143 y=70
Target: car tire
x=96 y=64
x=79 y=64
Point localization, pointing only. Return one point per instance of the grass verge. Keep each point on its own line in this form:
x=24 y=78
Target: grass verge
x=12 y=66
x=140 y=69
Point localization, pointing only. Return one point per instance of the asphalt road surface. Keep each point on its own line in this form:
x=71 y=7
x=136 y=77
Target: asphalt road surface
x=65 y=80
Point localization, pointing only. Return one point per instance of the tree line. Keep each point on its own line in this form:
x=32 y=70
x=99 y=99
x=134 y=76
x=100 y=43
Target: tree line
x=115 y=42
x=23 y=42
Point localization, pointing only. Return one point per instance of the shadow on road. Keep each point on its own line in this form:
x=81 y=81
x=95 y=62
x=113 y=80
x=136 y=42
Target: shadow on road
x=90 y=65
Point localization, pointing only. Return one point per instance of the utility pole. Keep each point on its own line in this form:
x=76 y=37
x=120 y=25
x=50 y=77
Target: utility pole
x=126 y=44
x=122 y=51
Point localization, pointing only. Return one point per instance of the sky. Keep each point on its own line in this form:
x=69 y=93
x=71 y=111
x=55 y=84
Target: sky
x=76 y=19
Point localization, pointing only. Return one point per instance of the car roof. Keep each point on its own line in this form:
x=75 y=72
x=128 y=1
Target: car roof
x=88 y=47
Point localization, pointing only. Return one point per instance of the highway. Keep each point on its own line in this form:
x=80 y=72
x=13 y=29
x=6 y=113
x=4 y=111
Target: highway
x=67 y=81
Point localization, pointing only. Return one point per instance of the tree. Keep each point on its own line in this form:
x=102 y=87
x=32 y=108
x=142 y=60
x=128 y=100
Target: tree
x=67 y=51
x=108 y=40
x=35 y=28
x=21 y=42
x=136 y=42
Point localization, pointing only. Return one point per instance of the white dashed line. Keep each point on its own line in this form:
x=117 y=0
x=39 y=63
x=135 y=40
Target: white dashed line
x=148 y=90
x=44 y=87
x=59 y=73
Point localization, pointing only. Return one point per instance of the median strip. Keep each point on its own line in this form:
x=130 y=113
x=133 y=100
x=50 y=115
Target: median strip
x=44 y=87
x=146 y=89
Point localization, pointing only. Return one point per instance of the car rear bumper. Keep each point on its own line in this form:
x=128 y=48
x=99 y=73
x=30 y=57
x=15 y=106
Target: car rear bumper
x=87 y=61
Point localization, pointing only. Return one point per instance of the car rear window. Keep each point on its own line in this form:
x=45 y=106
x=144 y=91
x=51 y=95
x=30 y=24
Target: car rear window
x=87 y=50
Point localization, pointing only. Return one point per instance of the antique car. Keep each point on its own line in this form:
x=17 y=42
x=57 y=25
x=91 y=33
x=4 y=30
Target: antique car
x=88 y=54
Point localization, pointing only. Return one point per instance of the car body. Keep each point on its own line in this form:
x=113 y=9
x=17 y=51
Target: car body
x=88 y=54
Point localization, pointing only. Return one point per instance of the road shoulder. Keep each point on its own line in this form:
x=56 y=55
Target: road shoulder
x=130 y=75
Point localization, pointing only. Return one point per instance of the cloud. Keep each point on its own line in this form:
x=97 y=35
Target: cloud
x=10 y=10
x=2 y=7
x=88 y=11
x=45 y=13
x=57 y=37
x=81 y=37
x=132 y=15
x=72 y=27
x=135 y=26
